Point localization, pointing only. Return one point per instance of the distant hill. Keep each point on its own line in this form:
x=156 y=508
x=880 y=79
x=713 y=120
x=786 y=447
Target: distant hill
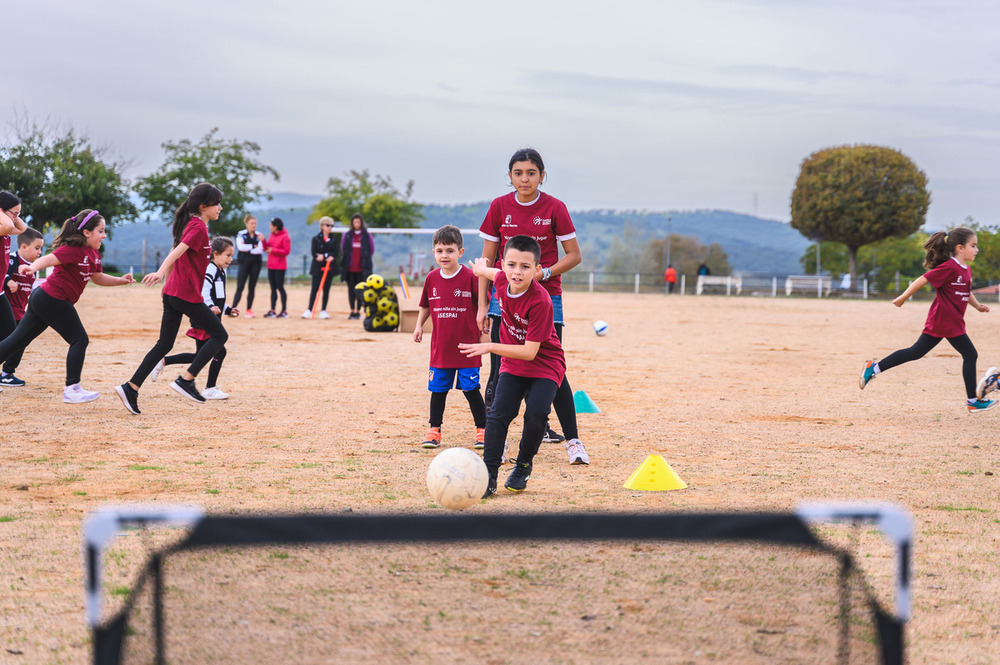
x=752 y=244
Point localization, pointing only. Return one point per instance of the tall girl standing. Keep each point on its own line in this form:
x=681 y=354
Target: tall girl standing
x=278 y=246
x=11 y=225
x=356 y=250
x=947 y=263
x=250 y=246
x=184 y=270
x=76 y=260
x=528 y=211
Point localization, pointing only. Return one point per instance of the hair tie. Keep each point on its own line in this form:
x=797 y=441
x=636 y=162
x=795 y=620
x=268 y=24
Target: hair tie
x=86 y=219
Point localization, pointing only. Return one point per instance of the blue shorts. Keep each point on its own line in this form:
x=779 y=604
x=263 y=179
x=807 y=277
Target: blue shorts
x=442 y=380
x=557 y=313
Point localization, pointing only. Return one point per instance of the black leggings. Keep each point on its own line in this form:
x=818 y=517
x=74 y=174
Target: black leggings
x=563 y=402
x=43 y=312
x=353 y=297
x=475 y=399
x=7 y=325
x=249 y=269
x=11 y=364
x=214 y=367
x=537 y=395
x=276 y=278
x=925 y=343
x=316 y=279
x=174 y=309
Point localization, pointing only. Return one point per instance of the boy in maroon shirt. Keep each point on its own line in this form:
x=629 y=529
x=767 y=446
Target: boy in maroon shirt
x=532 y=361
x=18 y=285
x=450 y=299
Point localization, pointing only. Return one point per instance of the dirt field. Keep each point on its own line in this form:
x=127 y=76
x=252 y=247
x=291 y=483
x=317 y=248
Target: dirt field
x=753 y=401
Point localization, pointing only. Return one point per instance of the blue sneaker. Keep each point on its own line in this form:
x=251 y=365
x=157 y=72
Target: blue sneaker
x=986 y=385
x=14 y=382
x=981 y=405
x=867 y=374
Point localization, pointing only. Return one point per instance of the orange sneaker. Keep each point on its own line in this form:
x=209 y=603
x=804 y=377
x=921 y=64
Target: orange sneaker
x=433 y=438
x=480 y=438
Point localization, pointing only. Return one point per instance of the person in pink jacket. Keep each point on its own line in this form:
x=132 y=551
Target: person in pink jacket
x=278 y=245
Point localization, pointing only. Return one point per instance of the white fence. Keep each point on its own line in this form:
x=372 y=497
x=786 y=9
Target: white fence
x=729 y=285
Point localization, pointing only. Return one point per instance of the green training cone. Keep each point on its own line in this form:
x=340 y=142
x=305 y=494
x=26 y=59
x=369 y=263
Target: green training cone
x=583 y=403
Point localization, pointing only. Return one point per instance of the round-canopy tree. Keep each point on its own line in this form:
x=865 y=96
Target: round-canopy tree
x=859 y=195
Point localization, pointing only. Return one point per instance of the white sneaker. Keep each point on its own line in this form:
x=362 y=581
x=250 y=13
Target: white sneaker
x=155 y=374
x=307 y=314
x=577 y=453
x=988 y=383
x=214 y=393
x=324 y=315
x=74 y=394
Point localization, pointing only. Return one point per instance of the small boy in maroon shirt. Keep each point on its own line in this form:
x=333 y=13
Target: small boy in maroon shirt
x=532 y=361
x=18 y=285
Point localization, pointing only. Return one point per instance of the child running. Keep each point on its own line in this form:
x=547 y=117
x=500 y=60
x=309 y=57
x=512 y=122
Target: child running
x=947 y=259
x=449 y=298
x=10 y=224
x=76 y=260
x=19 y=285
x=532 y=364
x=213 y=292
x=184 y=269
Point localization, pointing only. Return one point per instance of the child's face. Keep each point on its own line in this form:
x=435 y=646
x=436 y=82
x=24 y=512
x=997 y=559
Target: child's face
x=520 y=269
x=447 y=256
x=14 y=212
x=225 y=258
x=525 y=177
x=31 y=251
x=210 y=213
x=967 y=253
x=95 y=237
x=356 y=224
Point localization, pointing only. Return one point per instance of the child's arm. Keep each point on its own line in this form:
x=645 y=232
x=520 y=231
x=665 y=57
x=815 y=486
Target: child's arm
x=526 y=351
x=482 y=312
x=481 y=268
x=915 y=285
x=9 y=281
x=418 y=332
x=101 y=279
x=978 y=305
x=41 y=263
x=168 y=264
x=571 y=258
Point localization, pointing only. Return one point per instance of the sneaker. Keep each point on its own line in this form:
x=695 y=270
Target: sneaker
x=986 y=385
x=187 y=389
x=981 y=405
x=577 y=453
x=481 y=438
x=552 y=436
x=214 y=393
x=155 y=374
x=11 y=381
x=283 y=315
x=867 y=374
x=491 y=487
x=307 y=314
x=324 y=315
x=271 y=315
x=74 y=394
x=433 y=438
x=518 y=478
x=249 y=314
x=129 y=397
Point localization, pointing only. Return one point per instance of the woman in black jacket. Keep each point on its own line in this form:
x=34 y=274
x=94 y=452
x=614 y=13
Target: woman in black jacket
x=324 y=252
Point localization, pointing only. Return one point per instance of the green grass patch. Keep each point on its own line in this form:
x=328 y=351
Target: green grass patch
x=143 y=467
x=962 y=509
x=211 y=491
x=121 y=591
x=79 y=493
x=6 y=518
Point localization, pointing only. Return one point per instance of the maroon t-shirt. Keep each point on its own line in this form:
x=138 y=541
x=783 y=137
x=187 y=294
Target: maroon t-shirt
x=452 y=302
x=528 y=317
x=19 y=299
x=188 y=273
x=952 y=282
x=546 y=220
x=68 y=279
x=355 y=252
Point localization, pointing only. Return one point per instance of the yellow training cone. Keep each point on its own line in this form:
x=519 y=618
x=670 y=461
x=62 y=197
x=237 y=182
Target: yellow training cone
x=655 y=474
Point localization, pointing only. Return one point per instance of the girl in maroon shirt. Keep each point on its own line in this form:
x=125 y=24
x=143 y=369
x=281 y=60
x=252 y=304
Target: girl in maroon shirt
x=184 y=270
x=948 y=256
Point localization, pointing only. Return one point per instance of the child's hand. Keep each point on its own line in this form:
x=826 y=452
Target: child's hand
x=26 y=269
x=474 y=350
x=215 y=309
x=12 y=286
x=483 y=319
x=898 y=301
x=128 y=278
x=418 y=334
x=152 y=278
x=233 y=312
x=983 y=308
x=478 y=265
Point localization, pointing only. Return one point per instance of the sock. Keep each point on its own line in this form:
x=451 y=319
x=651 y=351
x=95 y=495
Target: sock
x=875 y=370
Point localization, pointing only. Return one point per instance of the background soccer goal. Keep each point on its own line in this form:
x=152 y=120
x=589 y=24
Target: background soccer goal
x=448 y=588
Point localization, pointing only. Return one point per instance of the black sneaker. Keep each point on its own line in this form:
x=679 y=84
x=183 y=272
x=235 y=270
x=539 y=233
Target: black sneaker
x=11 y=381
x=491 y=487
x=187 y=389
x=518 y=478
x=552 y=436
x=129 y=396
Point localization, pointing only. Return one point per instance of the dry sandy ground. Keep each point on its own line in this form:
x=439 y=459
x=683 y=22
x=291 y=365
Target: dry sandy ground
x=753 y=401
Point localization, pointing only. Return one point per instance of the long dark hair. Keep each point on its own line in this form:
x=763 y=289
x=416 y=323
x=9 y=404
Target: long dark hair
x=204 y=194
x=941 y=246
x=8 y=200
x=73 y=228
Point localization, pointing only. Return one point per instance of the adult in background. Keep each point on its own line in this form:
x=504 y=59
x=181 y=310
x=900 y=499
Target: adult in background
x=250 y=246
x=278 y=246
x=670 y=277
x=11 y=224
x=356 y=251
x=324 y=252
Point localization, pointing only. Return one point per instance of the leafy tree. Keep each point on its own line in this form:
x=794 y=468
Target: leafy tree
x=987 y=265
x=878 y=262
x=376 y=198
x=858 y=195
x=230 y=165
x=57 y=174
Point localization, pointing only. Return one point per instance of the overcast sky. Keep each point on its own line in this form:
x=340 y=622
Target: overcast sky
x=633 y=105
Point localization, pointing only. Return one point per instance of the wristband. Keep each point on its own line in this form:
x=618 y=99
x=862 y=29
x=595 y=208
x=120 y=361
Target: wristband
x=546 y=274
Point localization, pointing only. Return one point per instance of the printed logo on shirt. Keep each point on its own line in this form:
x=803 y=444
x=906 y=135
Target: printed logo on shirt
x=538 y=221
x=459 y=293
x=506 y=221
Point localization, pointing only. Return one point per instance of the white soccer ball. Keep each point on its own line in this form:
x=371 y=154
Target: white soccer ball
x=601 y=328
x=457 y=478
